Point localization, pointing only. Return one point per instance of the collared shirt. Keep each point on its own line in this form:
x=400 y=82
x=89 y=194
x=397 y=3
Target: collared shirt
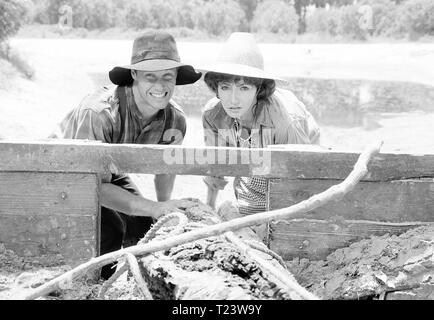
x=99 y=117
x=111 y=115
x=283 y=119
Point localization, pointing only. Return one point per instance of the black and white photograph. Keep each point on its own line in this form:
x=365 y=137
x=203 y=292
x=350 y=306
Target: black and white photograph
x=233 y=151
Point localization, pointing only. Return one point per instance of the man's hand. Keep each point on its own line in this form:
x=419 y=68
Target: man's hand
x=166 y=207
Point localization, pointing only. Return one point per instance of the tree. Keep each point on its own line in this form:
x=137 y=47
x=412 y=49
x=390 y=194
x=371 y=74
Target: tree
x=300 y=9
x=416 y=17
x=219 y=17
x=12 y=15
x=249 y=7
x=275 y=16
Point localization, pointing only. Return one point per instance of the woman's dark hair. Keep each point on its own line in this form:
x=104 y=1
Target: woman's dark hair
x=265 y=87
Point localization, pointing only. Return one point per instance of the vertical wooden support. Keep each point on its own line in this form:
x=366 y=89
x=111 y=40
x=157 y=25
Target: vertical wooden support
x=50 y=216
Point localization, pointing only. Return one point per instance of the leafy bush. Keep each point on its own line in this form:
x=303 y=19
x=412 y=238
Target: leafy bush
x=385 y=14
x=417 y=16
x=163 y=13
x=100 y=14
x=276 y=17
x=390 y=17
x=349 y=23
x=156 y=14
x=220 y=17
x=12 y=15
x=136 y=15
x=95 y=14
x=188 y=12
x=324 y=21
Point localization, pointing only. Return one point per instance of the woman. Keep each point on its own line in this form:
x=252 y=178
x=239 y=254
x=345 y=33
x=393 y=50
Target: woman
x=250 y=112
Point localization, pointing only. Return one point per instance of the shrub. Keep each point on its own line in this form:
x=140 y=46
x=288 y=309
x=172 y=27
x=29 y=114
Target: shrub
x=385 y=16
x=163 y=13
x=100 y=14
x=220 y=17
x=156 y=14
x=324 y=21
x=136 y=15
x=417 y=16
x=39 y=12
x=95 y=14
x=188 y=12
x=349 y=23
x=276 y=17
x=12 y=15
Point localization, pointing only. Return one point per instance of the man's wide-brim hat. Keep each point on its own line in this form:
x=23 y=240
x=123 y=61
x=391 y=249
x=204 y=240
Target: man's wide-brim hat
x=154 y=51
x=240 y=56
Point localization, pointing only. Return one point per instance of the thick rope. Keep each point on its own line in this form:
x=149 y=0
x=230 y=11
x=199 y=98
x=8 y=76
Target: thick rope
x=131 y=261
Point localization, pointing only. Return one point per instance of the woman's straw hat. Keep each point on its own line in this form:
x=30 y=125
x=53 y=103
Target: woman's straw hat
x=240 y=55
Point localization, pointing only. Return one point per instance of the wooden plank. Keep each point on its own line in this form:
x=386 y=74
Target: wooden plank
x=296 y=162
x=54 y=214
x=67 y=238
x=396 y=201
x=372 y=208
x=316 y=239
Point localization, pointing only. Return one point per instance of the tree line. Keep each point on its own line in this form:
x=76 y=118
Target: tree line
x=391 y=18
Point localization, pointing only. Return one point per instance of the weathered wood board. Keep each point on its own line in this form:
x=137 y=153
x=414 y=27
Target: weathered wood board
x=50 y=214
x=372 y=208
x=316 y=239
x=294 y=162
x=395 y=201
x=59 y=179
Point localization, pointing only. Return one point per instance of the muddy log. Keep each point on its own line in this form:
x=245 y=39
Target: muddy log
x=227 y=267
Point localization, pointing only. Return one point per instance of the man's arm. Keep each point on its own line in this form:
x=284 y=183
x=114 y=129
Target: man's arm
x=164 y=186
x=119 y=199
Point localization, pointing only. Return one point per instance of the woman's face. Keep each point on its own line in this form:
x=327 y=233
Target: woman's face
x=237 y=97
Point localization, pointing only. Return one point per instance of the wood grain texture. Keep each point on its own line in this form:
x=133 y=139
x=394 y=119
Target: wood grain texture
x=50 y=214
x=396 y=201
x=372 y=208
x=294 y=162
x=316 y=239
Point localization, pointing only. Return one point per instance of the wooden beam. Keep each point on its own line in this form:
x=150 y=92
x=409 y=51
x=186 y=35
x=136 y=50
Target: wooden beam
x=316 y=239
x=372 y=208
x=294 y=162
x=396 y=201
x=50 y=215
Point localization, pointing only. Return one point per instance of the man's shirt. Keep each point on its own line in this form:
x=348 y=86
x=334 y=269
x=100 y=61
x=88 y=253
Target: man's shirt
x=111 y=115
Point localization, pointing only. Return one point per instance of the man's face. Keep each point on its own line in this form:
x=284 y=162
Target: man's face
x=155 y=88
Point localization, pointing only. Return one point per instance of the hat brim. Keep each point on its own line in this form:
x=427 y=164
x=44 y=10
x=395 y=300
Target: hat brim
x=239 y=70
x=121 y=76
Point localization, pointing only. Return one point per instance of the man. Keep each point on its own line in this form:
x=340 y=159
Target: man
x=138 y=110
